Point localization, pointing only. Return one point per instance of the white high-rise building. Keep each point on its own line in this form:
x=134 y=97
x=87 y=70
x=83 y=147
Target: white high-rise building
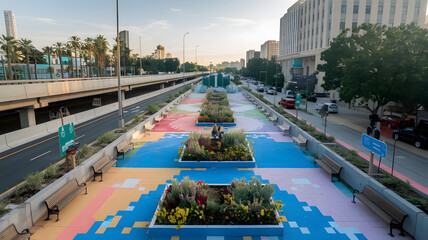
x=269 y=49
x=309 y=26
x=9 y=20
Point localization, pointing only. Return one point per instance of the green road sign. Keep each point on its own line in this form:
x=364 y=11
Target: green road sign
x=298 y=100
x=66 y=137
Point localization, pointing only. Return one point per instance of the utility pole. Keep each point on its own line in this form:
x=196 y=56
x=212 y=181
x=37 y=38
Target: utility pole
x=119 y=91
x=184 y=66
x=141 y=66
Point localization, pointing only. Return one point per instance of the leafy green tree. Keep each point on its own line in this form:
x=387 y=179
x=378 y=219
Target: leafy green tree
x=75 y=44
x=172 y=64
x=8 y=44
x=100 y=51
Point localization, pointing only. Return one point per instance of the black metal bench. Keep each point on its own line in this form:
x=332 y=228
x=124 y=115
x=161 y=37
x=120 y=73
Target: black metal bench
x=102 y=165
x=63 y=196
x=330 y=166
x=382 y=207
x=12 y=233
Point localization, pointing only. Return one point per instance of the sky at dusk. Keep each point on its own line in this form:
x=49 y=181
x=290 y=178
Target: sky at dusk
x=223 y=29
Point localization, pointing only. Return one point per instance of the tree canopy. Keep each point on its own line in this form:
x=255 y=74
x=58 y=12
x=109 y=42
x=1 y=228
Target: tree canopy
x=375 y=63
x=264 y=71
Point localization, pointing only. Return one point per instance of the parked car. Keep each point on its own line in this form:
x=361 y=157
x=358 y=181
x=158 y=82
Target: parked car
x=331 y=107
x=289 y=94
x=312 y=98
x=417 y=136
x=271 y=91
x=396 y=122
x=287 y=102
x=279 y=89
x=260 y=89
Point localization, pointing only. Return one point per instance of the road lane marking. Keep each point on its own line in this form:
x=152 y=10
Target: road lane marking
x=34 y=158
x=81 y=136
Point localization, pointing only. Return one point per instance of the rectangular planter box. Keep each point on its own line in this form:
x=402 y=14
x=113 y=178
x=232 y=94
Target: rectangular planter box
x=213 y=230
x=215 y=164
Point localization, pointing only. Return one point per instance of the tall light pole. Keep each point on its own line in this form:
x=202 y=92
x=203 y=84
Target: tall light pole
x=119 y=91
x=197 y=59
x=141 y=66
x=184 y=67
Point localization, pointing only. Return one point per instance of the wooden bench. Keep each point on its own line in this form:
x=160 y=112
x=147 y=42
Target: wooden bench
x=148 y=126
x=124 y=147
x=273 y=118
x=63 y=196
x=159 y=117
x=382 y=207
x=12 y=233
x=265 y=112
x=330 y=166
x=302 y=141
x=102 y=165
x=285 y=128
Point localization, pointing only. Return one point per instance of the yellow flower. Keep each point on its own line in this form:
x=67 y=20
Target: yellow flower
x=262 y=212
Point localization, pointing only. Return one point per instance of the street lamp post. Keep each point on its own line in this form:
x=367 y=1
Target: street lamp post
x=276 y=76
x=141 y=66
x=119 y=91
x=307 y=94
x=197 y=59
x=184 y=61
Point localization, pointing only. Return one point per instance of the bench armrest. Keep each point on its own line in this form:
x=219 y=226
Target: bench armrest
x=353 y=195
x=25 y=231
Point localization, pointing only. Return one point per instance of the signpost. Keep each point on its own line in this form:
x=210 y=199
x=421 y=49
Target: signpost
x=375 y=146
x=297 y=104
x=66 y=138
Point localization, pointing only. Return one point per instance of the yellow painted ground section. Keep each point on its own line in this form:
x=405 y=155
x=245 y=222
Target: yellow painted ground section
x=126 y=230
x=283 y=218
x=149 y=137
x=247 y=238
x=175 y=238
x=150 y=178
x=141 y=225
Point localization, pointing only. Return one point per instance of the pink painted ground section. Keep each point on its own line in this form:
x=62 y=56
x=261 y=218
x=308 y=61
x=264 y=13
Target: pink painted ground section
x=323 y=194
x=382 y=166
x=192 y=100
x=178 y=122
x=83 y=222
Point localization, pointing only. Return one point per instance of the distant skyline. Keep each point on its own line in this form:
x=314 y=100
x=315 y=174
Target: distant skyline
x=224 y=30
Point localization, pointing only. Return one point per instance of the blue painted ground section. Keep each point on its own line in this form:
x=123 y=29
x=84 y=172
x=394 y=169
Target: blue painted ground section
x=279 y=154
x=303 y=221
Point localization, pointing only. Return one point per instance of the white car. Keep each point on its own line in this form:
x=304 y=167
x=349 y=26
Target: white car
x=331 y=107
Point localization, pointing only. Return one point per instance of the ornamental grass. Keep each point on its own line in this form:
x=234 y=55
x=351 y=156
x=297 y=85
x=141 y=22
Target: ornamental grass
x=216 y=108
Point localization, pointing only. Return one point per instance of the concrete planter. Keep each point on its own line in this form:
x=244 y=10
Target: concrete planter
x=213 y=230
x=216 y=164
x=210 y=124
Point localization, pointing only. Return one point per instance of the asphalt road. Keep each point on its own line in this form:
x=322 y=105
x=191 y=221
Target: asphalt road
x=407 y=162
x=18 y=162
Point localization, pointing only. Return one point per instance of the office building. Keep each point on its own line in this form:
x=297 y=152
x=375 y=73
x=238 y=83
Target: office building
x=309 y=26
x=168 y=55
x=242 y=62
x=9 y=20
x=252 y=54
x=269 y=49
x=124 y=37
x=159 y=52
x=426 y=22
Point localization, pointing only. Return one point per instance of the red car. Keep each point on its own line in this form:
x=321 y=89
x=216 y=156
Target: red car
x=287 y=102
x=391 y=121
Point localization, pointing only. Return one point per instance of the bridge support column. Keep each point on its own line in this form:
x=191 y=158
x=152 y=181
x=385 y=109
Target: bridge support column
x=173 y=83
x=122 y=94
x=162 y=85
x=27 y=117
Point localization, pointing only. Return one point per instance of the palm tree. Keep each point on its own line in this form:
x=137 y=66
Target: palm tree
x=69 y=53
x=75 y=43
x=88 y=47
x=8 y=44
x=100 y=50
x=58 y=49
x=25 y=47
x=37 y=58
x=48 y=50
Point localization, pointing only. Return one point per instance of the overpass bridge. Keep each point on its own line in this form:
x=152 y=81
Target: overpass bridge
x=27 y=95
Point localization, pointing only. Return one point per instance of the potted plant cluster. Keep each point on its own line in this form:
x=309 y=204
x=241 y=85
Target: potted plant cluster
x=216 y=109
x=232 y=150
x=191 y=205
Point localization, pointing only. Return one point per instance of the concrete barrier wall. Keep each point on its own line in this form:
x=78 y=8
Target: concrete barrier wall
x=416 y=223
x=16 y=138
x=34 y=209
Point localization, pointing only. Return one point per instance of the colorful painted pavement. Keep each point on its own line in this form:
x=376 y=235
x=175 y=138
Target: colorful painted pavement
x=122 y=206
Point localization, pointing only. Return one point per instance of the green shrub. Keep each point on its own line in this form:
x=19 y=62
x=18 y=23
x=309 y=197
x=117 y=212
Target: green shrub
x=153 y=108
x=138 y=118
x=34 y=181
x=170 y=98
x=107 y=138
x=3 y=209
x=51 y=171
x=235 y=137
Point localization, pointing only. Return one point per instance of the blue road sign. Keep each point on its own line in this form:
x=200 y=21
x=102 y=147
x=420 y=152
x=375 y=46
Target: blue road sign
x=374 y=145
